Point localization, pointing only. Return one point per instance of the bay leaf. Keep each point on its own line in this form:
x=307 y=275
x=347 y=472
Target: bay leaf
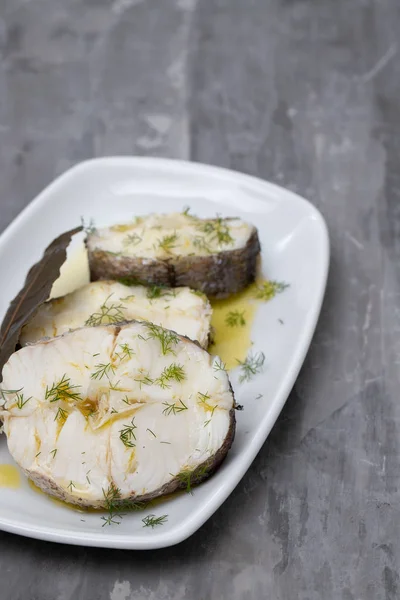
x=35 y=292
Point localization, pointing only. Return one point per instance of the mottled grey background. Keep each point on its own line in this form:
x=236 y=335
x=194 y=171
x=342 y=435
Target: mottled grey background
x=305 y=93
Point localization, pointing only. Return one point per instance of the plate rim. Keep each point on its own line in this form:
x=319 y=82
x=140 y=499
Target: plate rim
x=185 y=529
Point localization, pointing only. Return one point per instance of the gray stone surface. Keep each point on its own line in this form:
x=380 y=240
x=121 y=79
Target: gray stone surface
x=305 y=93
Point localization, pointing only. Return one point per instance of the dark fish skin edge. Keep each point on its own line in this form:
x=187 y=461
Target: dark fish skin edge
x=217 y=275
x=203 y=471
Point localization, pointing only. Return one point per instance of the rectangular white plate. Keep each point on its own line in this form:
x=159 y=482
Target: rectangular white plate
x=295 y=249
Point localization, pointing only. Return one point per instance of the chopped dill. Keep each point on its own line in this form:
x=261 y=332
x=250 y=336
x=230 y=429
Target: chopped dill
x=103 y=369
x=109 y=313
x=132 y=239
x=62 y=390
x=71 y=485
x=219 y=365
x=174 y=372
x=53 y=452
x=217 y=230
x=269 y=289
x=189 y=477
x=4 y=392
x=212 y=414
x=157 y=291
x=200 y=243
x=126 y=400
x=21 y=402
x=113 y=411
x=259 y=396
x=61 y=414
x=127 y=435
x=203 y=398
x=114 y=386
x=174 y=408
x=251 y=366
x=152 y=432
x=167 y=338
x=143 y=378
x=168 y=242
x=114 y=504
x=152 y=520
x=235 y=318
x=36 y=455
x=125 y=353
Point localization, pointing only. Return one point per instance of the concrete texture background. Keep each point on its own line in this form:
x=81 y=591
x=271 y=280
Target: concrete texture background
x=304 y=93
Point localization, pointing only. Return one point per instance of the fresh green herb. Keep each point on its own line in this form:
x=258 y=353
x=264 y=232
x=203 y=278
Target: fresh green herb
x=259 y=396
x=168 y=242
x=152 y=432
x=167 y=338
x=157 y=291
x=143 y=378
x=62 y=390
x=103 y=369
x=186 y=210
x=132 y=239
x=235 y=318
x=169 y=443
x=199 y=293
x=217 y=230
x=111 y=497
x=126 y=352
x=200 y=243
x=219 y=365
x=113 y=411
x=126 y=400
x=281 y=322
x=174 y=408
x=212 y=413
x=21 y=402
x=87 y=476
x=188 y=478
x=37 y=454
x=152 y=520
x=203 y=398
x=114 y=505
x=61 y=414
x=128 y=298
x=127 y=435
x=174 y=372
x=5 y=393
x=251 y=366
x=269 y=289
x=71 y=485
x=97 y=354
x=109 y=313
x=53 y=452
x=114 y=386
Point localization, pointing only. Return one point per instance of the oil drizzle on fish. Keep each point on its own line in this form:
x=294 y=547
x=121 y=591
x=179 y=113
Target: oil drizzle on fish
x=10 y=477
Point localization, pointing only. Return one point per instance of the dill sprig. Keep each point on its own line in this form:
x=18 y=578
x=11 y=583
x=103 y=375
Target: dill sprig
x=62 y=390
x=200 y=243
x=158 y=291
x=152 y=520
x=189 y=477
x=251 y=366
x=174 y=408
x=71 y=485
x=61 y=414
x=174 y=372
x=109 y=313
x=21 y=402
x=125 y=353
x=53 y=452
x=214 y=408
x=219 y=365
x=167 y=338
x=114 y=505
x=203 y=398
x=143 y=378
x=269 y=289
x=217 y=230
x=235 y=318
x=103 y=369
x=127 y=435
x=132 y=239
x=5 y=393
x=168 y=242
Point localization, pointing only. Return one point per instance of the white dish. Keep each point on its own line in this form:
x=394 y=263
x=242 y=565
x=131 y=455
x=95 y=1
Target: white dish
x=295 y=249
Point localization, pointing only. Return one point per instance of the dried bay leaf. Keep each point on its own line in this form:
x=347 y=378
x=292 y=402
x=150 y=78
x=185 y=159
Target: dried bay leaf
x=35 y=292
